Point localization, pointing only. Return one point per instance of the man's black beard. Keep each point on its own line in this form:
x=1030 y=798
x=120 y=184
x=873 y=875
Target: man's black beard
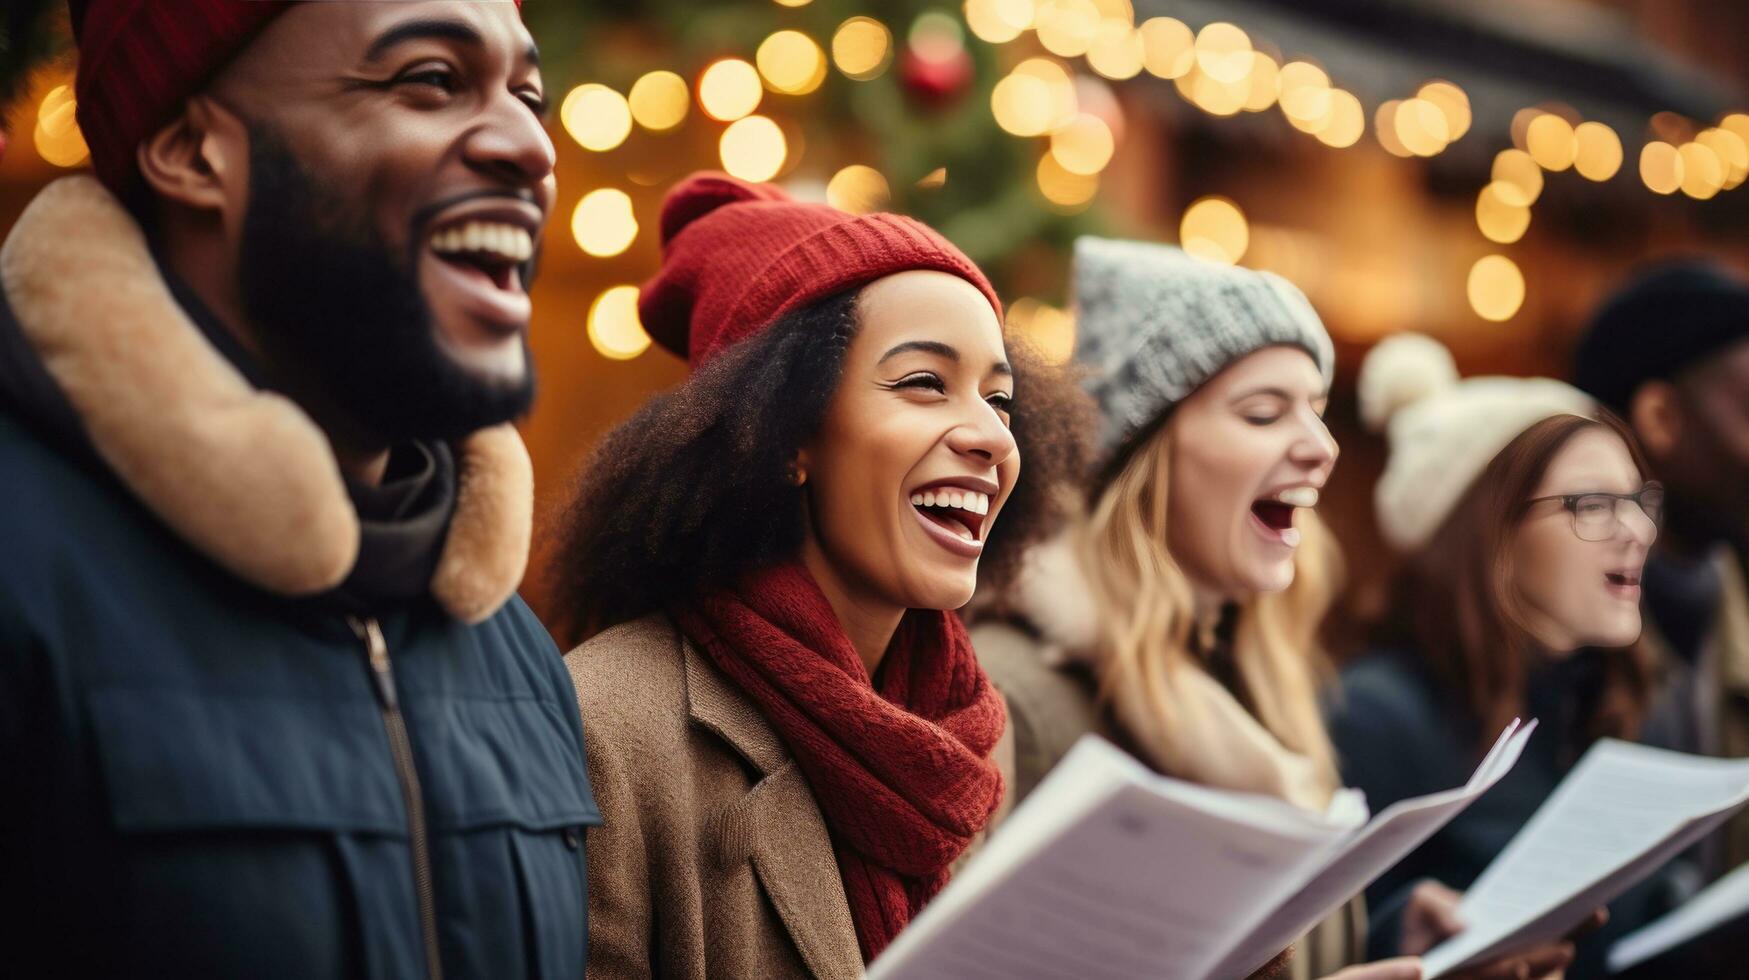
x=335 y=303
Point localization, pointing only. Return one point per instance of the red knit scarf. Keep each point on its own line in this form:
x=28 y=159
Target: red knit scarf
x=903 y=774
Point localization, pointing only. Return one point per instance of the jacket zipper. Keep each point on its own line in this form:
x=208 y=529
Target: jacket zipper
x=376 y=649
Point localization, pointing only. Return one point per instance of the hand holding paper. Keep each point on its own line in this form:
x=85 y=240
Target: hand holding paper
x=1621 y=814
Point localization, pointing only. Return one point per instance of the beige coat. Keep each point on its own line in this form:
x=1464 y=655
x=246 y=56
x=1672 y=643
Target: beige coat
x=713 y=859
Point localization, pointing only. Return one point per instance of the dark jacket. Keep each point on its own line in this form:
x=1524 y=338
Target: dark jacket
x=206 y=779
x=1398 y=734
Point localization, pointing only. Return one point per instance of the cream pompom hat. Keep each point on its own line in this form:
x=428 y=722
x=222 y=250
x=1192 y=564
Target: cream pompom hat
x=1442 y=432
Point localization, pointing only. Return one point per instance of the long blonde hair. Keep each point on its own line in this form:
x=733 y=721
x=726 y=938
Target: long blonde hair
x=1147 y=617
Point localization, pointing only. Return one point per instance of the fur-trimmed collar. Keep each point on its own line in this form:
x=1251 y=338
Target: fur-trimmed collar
x=242 y=474
x=1052 y=594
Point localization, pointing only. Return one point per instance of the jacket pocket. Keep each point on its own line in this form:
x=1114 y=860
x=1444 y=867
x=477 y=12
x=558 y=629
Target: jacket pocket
x=180 y=760
x=510 y=799
x=260 y=835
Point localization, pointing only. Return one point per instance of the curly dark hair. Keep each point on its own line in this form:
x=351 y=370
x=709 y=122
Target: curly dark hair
x=694 y=490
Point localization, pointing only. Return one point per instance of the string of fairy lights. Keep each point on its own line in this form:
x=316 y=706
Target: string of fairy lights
x=1064 y=55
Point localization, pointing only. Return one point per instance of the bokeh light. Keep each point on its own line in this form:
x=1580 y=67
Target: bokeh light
x=603 y=223
x=57 y=136
x=1116 y=51
x=753 y=148
x=1703 y=173
x=1083 y=146
x=614 y=328
x=1660 y=167
x=1050 y=331
x=1495 y=288
x=1384 y=129
x=1067 y=193
x=729 y=89
x=862 y=48
x=999 y=21
x=1168 y=47
x=858 y=189
x=791 y=63
x=659 y=100
x=1066 y=27
x=1452 y=103
x=1550 y=141
x=1214 y=228
x=1732 y=150
x=596 y=116
x=1304 y=95
x=1022 y=105
x=1263 y=82
x=1223 y=52
x=1598 y=154
x=1421 y=127
x=1521 y=121
x=1214 y=97
x=1502 y=212
x=1514 y=166
x=1034 y=98
x=1346 y=122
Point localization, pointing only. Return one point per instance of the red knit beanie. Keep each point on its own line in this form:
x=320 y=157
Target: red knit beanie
x=140 y=59
x=737 y=256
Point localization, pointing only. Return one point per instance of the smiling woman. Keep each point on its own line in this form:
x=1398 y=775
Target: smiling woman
x=1179 y=615
x=787 y=728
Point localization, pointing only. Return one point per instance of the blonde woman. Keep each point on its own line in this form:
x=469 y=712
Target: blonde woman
x=1178 y=616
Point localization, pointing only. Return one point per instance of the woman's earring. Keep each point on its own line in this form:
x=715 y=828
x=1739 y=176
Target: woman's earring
x=797 y=476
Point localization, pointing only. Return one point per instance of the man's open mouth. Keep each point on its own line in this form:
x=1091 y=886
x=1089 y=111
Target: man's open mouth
x=493 y=249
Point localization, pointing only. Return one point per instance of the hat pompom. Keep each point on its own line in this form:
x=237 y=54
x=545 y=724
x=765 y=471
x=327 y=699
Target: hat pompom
x=1399 y=372
x=702 y=193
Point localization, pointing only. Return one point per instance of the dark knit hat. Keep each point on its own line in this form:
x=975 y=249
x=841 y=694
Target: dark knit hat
x=737 y=256
x=1669 y=317
x=139 y=60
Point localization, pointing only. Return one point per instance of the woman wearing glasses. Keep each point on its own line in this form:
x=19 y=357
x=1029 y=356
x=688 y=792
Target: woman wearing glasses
x=1524 y=517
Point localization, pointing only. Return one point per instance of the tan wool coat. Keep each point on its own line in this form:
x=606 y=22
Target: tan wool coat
x=713 y=859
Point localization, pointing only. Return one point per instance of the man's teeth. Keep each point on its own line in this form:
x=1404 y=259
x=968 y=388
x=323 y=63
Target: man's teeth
x=504 y=241
x=977 y=503
x=1299 y=497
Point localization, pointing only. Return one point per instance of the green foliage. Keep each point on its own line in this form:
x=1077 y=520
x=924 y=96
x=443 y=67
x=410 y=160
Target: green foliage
x=989 y=205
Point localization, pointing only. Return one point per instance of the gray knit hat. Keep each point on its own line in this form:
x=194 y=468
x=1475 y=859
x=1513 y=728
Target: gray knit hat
x=1154 y=322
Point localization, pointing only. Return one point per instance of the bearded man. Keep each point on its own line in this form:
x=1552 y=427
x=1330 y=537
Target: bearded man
x=268 y=703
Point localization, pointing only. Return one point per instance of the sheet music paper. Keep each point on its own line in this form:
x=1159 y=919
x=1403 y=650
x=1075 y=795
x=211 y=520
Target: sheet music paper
x=1721 y=902
x=1620 y=814
x=1111 y=871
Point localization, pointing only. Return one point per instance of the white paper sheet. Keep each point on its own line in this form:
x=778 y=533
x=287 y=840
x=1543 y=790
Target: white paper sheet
x=1110 y=871
x=1721 y=902
x=1620 y=814
x=1391 y=836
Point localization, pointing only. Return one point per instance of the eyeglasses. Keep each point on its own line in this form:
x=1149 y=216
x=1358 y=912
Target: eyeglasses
x=1596 y=516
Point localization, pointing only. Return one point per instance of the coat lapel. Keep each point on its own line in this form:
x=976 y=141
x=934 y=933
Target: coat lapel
x=777 y=826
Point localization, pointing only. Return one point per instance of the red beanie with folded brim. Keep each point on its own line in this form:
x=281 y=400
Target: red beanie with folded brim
x=737 y=256
x=139 y=60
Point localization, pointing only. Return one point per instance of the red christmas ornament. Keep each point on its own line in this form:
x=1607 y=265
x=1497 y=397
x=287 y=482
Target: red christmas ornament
x=937 y=79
